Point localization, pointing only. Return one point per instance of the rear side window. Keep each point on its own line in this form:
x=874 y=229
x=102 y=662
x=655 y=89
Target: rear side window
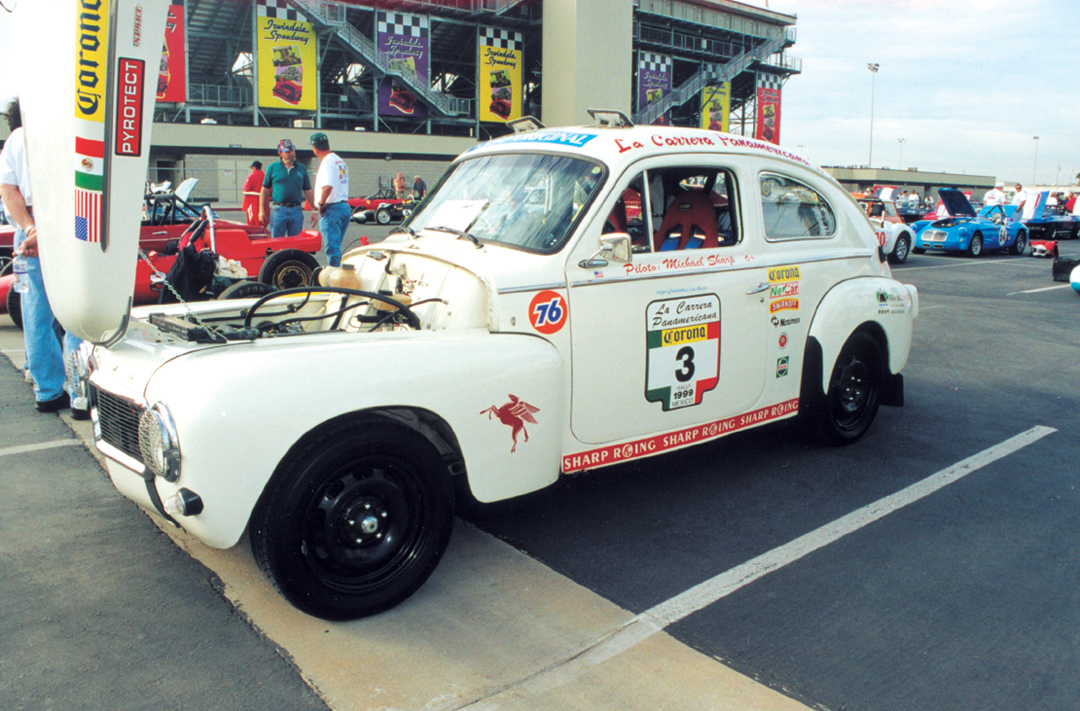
x=794 y=210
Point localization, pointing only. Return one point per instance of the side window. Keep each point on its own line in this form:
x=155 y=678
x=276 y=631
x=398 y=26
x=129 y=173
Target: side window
x=691 y=208
x=792 y=210
x=628 y=215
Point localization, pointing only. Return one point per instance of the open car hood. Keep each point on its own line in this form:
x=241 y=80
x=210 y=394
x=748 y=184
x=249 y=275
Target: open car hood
x=956 y=203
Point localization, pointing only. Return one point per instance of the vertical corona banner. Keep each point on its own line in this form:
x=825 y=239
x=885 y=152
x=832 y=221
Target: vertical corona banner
x=403 y=42
x=499 y=84
x=172 y=73
x=286 y=44
x=767 y=126
x=87 y=108
x=716 y=107
x=654 y=82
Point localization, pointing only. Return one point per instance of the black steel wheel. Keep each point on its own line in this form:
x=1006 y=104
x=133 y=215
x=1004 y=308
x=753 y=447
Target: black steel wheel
x=288 y=269
x=901 y=249
x=1020 y=245
x=851 y=402
x=14 y=306
x=974 y=248
x=355 y=519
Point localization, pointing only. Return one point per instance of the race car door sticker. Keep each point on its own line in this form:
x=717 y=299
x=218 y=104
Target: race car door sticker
x=683 y=341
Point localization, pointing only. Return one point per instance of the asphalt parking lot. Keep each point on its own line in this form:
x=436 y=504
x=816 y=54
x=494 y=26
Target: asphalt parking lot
x=929 y=566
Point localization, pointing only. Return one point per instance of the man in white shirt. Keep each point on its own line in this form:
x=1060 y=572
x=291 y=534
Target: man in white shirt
x=45 y=355
x=994 y=196
x=331 y=197
x=1025 y=203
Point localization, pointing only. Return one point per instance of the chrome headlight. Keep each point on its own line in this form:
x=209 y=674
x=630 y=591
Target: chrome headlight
x=158 y=444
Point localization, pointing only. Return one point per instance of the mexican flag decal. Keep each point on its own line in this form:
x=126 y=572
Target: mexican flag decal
x=683 y=340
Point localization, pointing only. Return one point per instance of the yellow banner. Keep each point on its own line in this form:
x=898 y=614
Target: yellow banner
x=92 y=57
x=716 y=107
x=288 y=76
x=499 y=91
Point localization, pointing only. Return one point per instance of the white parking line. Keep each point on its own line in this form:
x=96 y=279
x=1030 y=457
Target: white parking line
x=666 y=613
x=1046 y=288
x=975 y=263
x=24 y=448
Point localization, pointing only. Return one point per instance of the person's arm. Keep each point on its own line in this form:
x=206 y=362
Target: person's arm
x=264 y=206
x=324 y=195
x=16 y=207
x=310 y=195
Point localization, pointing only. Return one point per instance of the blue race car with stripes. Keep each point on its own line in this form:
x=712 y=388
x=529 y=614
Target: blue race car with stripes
x=964 y=231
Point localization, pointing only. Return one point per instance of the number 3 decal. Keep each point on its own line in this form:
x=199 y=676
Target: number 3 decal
x=547 y=312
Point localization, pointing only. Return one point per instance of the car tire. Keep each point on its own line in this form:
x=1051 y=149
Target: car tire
x=901 y=249
x=918 y=250
x=14 y=306
x=288 y=269
x=849 y=406
x=355 y=519
x=383 y=216
x=974 y=248
x=1020 y=245
x=245 y=290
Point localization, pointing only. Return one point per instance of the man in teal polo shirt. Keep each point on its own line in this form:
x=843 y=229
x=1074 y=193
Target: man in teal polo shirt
x=284 y=189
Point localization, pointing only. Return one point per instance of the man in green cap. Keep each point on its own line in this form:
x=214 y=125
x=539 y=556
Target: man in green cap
x=331 y=197
x=285 y=187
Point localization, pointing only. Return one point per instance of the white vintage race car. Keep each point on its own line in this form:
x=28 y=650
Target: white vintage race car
x=563 y=300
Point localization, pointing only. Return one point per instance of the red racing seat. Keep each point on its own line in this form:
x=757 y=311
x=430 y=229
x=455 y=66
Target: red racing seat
x=689 y=223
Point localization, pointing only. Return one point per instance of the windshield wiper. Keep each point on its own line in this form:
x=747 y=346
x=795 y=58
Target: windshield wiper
x=460 y=234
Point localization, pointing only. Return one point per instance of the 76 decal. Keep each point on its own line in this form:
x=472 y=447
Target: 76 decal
x=547 y=312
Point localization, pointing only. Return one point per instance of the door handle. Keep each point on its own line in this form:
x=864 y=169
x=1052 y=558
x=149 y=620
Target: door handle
x=758 y=289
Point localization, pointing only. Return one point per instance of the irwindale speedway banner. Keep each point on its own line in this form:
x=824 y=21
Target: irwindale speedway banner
x=499 y=85
x=87 y=108
x=287 y=51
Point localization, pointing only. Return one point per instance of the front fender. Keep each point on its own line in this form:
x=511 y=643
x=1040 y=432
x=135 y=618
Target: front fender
x=890 y=305
x=240 y=409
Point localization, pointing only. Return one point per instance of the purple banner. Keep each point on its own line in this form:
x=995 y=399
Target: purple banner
x=403 y=42
x=654 y=82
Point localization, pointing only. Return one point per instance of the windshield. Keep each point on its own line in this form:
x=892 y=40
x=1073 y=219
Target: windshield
x=521 y=200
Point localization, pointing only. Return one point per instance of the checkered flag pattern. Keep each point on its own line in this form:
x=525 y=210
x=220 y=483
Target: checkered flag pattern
x=651 y=62
x=403 y=24
x=769 y=81
x=501 y=39
x=278 y=9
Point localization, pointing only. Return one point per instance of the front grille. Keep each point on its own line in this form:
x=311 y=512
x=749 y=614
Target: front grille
x=119 y=422
x=935 y=236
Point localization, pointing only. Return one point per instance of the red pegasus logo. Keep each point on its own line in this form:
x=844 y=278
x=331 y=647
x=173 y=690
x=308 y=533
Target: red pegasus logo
x=514 y=414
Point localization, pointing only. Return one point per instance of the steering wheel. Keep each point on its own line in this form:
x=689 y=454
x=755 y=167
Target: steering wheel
x=197 y=228
x=411 y=318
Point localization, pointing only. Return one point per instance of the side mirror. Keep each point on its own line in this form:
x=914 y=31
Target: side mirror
x=614 y=247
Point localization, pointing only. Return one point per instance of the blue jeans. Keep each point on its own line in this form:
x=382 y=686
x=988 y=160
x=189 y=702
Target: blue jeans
x=286 y=221
x=42 y=334
x=332 y=223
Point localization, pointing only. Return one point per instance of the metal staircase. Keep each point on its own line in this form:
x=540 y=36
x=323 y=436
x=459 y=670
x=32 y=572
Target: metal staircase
x=710 y=74
x=331 y=15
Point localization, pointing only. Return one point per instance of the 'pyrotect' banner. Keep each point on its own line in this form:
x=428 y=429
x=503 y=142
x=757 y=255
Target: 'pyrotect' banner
x=499 y=89
x=172 y=74
x=288 y=75
x=654 y=82
x=768 y=108
x=716 y=106
x=403 y=41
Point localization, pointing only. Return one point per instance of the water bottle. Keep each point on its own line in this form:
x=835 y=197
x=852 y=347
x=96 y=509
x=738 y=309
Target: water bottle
x=22 y=280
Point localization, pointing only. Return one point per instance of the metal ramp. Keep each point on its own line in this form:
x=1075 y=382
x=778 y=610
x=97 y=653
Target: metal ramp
x=331 y=16
x=709 y=74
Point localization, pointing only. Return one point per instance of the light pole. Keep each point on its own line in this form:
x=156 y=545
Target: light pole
x=873 y=73
x=901 y=141
x=1035 y=167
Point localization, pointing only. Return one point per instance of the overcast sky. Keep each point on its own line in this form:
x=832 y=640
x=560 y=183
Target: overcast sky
x=967 y=84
